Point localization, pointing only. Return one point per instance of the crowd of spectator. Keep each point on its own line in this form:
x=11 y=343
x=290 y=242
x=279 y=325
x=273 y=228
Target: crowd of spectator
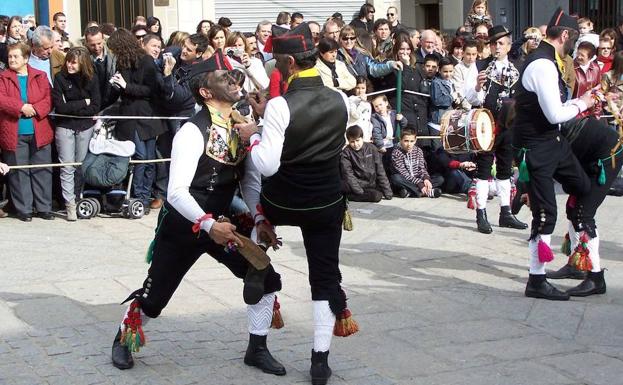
x=138 y=72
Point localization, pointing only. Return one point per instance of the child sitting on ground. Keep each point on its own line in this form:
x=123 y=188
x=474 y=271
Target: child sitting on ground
x=363 y=175
x=409 y=173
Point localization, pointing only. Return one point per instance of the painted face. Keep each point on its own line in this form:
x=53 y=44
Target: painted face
x=408 y=142
x=153 y=48
x=329 y=56
x=95 y=44
x=355 y=144
x=470 y=55
x=223 y=87
x=218 y=41
x=380 y=106
x=446 y=72
x=17 y=62
x=383 y=32
x=73 y=67
x=360 y=90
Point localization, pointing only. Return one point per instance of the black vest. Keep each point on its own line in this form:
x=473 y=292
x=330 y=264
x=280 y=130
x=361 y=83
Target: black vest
x=309 y=174
x=531 y=125
x=215 y=182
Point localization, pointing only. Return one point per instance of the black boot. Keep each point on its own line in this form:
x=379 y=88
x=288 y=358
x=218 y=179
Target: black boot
x=320 y=370
x=259 y=356
x=507 y=219
x=121 y=355
x=253 y=289
x=593 y=284
x=538 y=287
x=482 y=222
x=567 y=271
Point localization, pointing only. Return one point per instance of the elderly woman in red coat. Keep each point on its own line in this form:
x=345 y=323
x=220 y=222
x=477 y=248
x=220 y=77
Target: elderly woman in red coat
x=26 y=133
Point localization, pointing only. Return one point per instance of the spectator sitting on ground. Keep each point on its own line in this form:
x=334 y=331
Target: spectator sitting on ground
x=363 y=175
x=410 y=176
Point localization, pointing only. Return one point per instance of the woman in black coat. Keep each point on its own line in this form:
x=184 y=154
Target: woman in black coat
x=137 y=83
x=75 y=92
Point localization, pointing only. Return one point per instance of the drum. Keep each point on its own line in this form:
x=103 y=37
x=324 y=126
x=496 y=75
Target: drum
x=470 y=131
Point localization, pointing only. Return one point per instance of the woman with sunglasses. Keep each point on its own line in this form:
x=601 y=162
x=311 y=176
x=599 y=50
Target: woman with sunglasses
x=359 y=60
x=605 y=55
x=75 y=92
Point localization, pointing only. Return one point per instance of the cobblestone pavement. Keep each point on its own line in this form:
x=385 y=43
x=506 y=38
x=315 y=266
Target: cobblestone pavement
x=437 y=302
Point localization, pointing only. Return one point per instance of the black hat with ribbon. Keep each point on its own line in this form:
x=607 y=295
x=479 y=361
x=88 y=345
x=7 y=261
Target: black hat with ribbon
x=275 y=31
x=497 y=32
x=297 y=40
x=216 y=62
x=561 y=19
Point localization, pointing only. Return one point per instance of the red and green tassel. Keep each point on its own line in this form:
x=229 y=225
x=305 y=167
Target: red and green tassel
x=580 y=257
x=277 y=321
x=471 y=196
x=345 y=325
x=132 y=335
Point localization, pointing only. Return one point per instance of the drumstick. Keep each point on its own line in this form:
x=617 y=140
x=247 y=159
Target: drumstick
x=416 y=93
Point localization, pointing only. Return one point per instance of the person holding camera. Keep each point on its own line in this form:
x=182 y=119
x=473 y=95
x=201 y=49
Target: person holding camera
x=237 y=50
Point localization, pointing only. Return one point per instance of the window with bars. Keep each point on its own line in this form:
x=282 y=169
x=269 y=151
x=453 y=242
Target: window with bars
x=120 y=12
x=603 y=13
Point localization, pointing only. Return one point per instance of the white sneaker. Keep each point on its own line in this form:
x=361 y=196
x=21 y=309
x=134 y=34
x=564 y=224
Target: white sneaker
x=71 y=212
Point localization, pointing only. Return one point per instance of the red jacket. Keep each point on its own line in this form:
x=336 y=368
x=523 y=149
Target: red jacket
x=585 y=82
x=39 y=95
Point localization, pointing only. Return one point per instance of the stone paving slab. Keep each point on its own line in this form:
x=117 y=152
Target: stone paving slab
x=437 y=303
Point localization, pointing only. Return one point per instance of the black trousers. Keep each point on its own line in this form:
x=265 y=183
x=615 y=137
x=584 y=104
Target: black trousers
x=547 y=161
x=398 y=181
x=581 y=209
x=176 y=249
x=322 y=232
x=503 y=154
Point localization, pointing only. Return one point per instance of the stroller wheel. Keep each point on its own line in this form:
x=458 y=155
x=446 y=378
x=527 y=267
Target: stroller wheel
x=85 y=209
x=97 y=207
x=136 y=209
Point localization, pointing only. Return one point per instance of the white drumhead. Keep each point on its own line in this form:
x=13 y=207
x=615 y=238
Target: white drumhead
x=484 y=130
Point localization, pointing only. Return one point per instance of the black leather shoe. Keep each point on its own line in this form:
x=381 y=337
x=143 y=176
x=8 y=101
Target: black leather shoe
x=121 y=355
x=507 y=219
x=567 y=272
x=320 y=370
x=24 y=217
x=48 y=216
x=538 y=287
x=593 y=284
x=403 y=193
x=258 y=355
x=482 y=222
x=253 y=289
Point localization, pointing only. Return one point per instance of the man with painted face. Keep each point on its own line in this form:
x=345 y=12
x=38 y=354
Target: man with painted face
x=544 y=155
x=496 y=83
x=299 y=154
x=208 y=163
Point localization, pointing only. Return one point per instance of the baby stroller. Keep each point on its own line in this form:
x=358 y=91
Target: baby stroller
x=104 y=170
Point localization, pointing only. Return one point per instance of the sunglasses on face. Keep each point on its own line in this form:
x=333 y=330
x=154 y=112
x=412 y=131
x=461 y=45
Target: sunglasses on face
x=140 y=36
x=347 y=38
x=66 y=49
x=391 y=14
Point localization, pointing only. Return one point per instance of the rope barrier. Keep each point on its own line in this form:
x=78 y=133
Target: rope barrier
x=119 y=117
x=49 y=165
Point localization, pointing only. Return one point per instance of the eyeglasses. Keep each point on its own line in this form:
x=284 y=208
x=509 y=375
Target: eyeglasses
x=605 y=48
x=391 y=14
x=351 y=38
x=66 y=49
x=140 y=36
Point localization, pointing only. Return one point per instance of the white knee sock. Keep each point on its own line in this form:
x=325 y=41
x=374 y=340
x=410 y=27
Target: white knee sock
x=324 y=320
x=574 y=237
x=482 y=193
x=504 y=191
x=593 y=253
x=536 y=266
x=260 y=315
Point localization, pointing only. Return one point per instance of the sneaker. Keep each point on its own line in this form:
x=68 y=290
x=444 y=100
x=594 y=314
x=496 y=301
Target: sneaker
x=403 y=193
x=434 y=193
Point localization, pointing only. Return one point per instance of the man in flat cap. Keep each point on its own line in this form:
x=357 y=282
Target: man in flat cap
x=299 y=153
x=497 y=81
x=543 y=154
x=207 y=165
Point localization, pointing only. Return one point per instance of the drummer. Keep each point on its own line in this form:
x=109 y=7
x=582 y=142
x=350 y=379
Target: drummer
x=497 y=81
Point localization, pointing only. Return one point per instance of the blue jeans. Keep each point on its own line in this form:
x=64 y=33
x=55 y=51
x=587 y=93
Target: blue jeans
x=144 y=173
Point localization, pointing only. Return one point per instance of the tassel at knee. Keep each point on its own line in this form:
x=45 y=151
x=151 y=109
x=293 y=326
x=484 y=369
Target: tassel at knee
x=132 y=334
x=345 y=325
x=277 y=321
x=581 y=255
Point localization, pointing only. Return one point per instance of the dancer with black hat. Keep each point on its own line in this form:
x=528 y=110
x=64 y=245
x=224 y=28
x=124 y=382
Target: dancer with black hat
x=540 y=149
x=497 y=81
x=299 y=153
x=207 y=165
